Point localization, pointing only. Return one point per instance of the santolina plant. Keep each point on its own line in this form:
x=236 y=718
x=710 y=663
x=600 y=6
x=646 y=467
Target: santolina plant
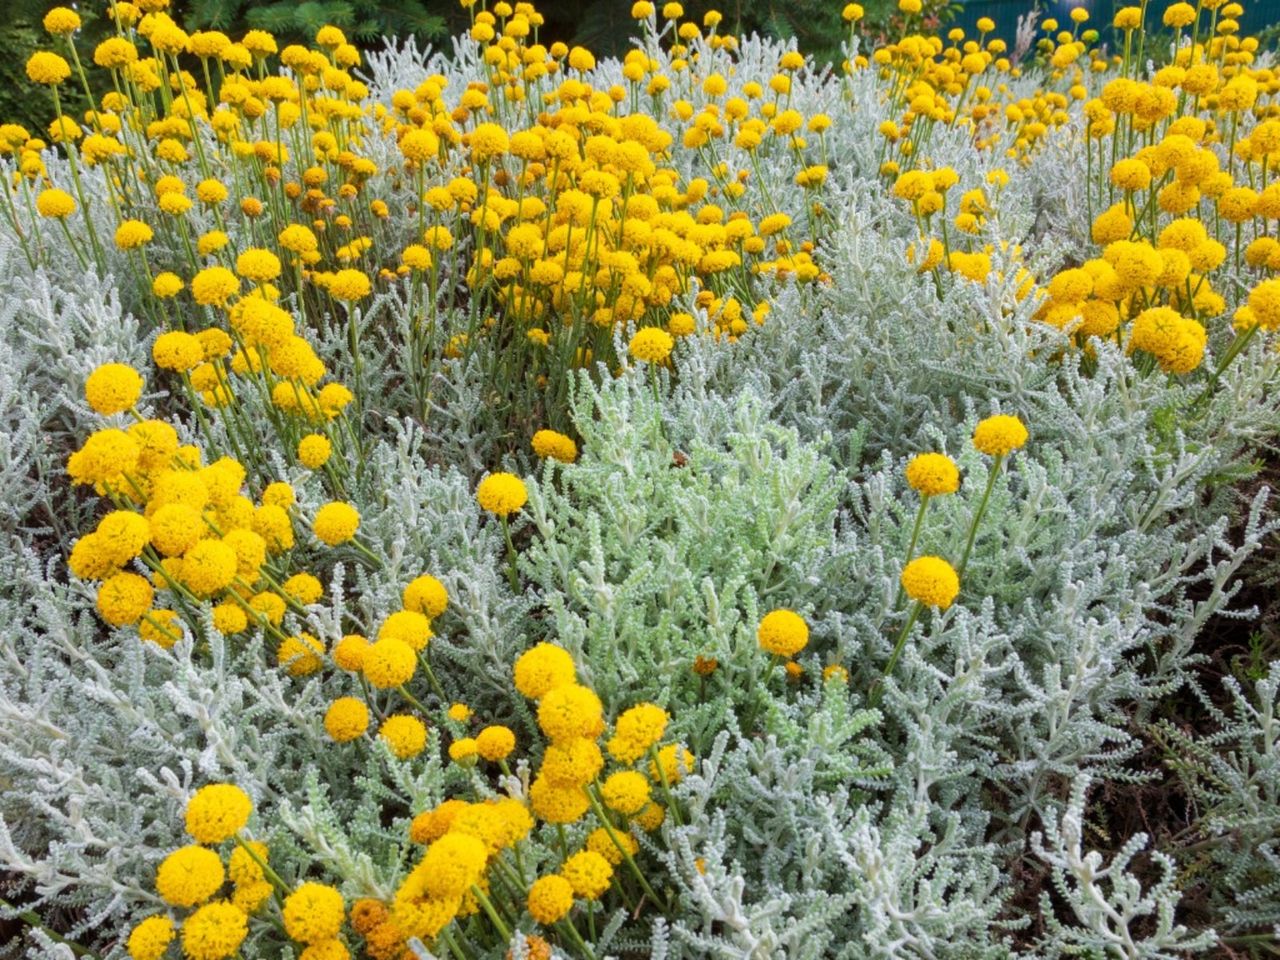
x=494 y=503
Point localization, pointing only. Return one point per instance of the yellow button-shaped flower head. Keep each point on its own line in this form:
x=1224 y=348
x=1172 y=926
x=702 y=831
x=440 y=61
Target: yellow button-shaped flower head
x=502 y=494
x=217 y=812
x=782 y=633
x=999 y=435
x=931 y=581
x=933 y=474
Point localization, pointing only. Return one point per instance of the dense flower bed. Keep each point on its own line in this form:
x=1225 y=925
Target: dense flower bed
x=496 y=503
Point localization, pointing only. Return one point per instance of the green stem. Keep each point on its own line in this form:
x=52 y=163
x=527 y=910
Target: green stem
x=452 y=944
x=413 y=701
x=276 y=881
x=666 y=786
x=877 y=691
x=511 y=557
x=431 y=677
x=1237 y=346
x=977 y=517
x=911 y=549
x=33 y=920
x=567 y=925
x=622 y=849
x=487 y=904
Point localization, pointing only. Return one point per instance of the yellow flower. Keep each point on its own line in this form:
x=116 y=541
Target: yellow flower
x=389 y=663
x=999 y=435
x=258 y=265
x=419 y=145
x=61 y=21
x=549 y=444
x=931 y=581
x=933 y=474
x=214 y=286
x=55 y=204
x=570 y=711
x=1177 y=342
x=314 y=450
x=336 y=523
x=1130 y=175
x=626 y=792
x=651 y=345
x=588 y=874
x=674 y=761
x=217 y=812
x=47 y=68
x=1179 y=15
x=113 y=388
x=346 y=719
x=214 y=932
x=151 y=938
x=313 y=913
x=299 y=655
x=425 y=595
x=636 y=730
x=349 y=652
x=488 y=141
x=167 y=285
x=571 y=763
x=551 y=898
x=409 y=626
x=349 y=285
x=463 y=751
x=177 y=351
x=132 y=234
x=405 y=735
x=782 y=633
x=115 y=52
x=123 y=598
x=502 y=494
x=495 y=743
x=188 y=876
x=208 y=567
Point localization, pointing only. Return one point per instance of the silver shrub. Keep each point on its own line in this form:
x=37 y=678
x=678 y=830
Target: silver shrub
x=846 y=831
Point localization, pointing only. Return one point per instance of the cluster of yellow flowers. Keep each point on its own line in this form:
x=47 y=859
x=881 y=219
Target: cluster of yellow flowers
x=195 y=876
x=1164 y=212
x=194 y=530
x=463 y=871
x=559 y=202
x=564 y=221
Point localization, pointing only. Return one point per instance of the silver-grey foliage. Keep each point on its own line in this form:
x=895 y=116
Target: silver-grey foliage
x=768 y=473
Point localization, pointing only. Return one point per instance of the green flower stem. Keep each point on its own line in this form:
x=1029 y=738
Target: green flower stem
x=911 y=548
x=431 y=677
x=368 y=554
x=511 y=556
x=877 y=691
x=567 y=926
x=276 y=881
x=666 y=786
x=622 y=849
x=657 y=406
x=74 y=166
x=33 y=920
x=1237 y=347
x=977 y=517
x=489 y=908
x=452 y=944
x=413 y=701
